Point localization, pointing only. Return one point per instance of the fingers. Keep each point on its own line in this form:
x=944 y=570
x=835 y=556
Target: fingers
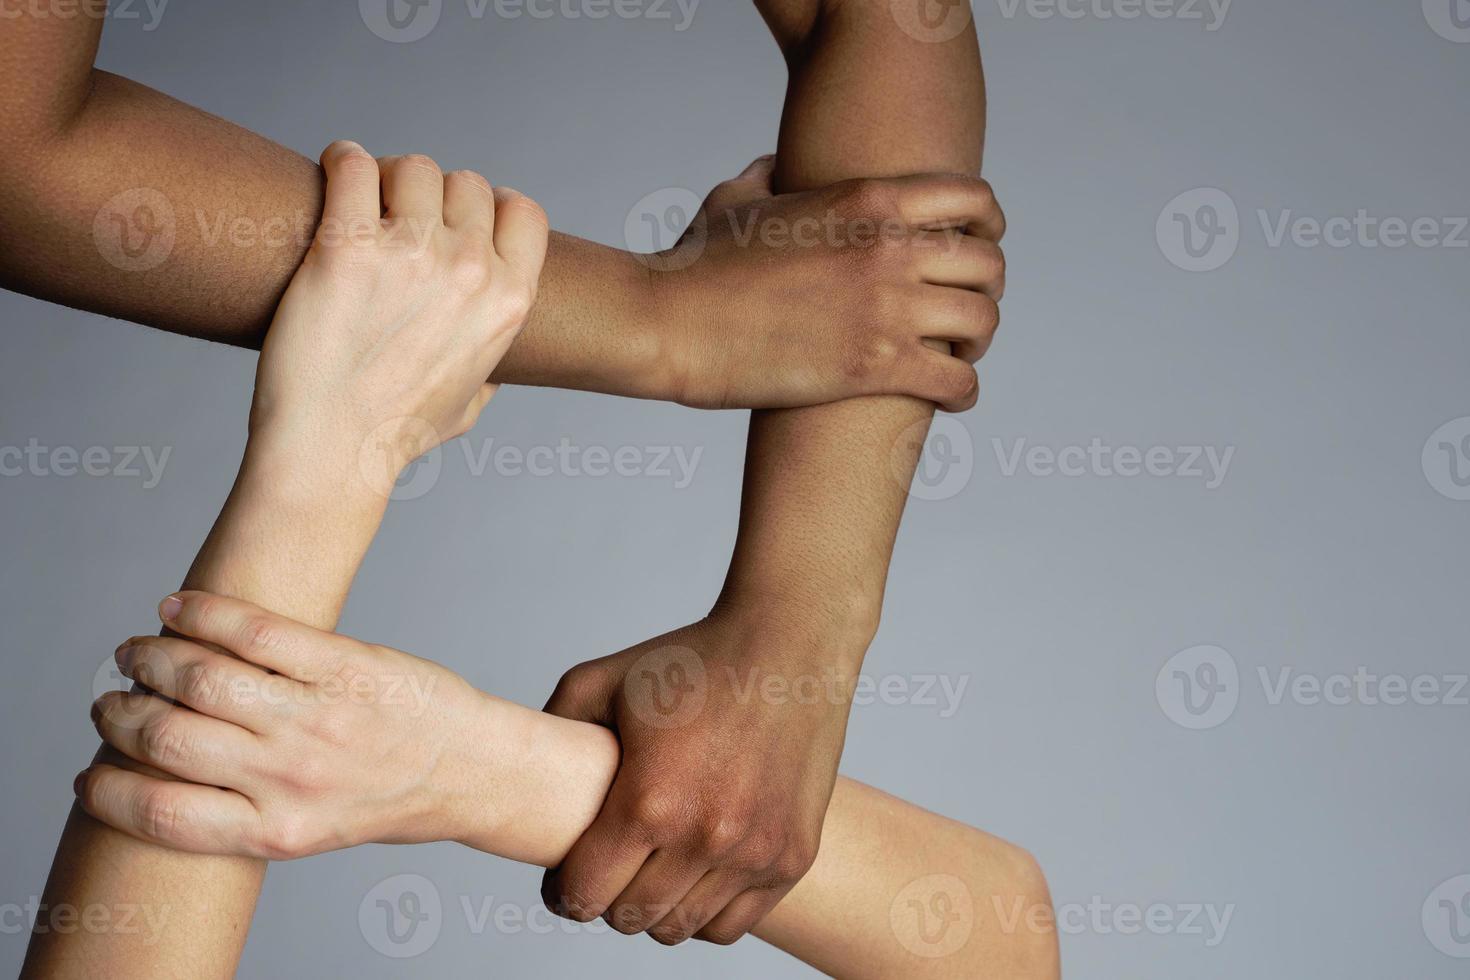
x=469 y=204
x=936 y=376
x=596 y=871
x=964 y=318
x=655 y=891
x=702 y=903
x=352 y=194
x=176 y=740
x=413 y=189
x=963 y=261
x=583 y=693
x=211 y=683
x=951 y=201
x=521 y=232
x=182 y=816
x=253 y=634
x=741 y=915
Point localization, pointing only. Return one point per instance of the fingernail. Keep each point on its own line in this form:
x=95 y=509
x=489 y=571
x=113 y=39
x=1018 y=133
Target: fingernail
x=76 y=784
x=124 y=654
x=169 y=608
x=96 y=711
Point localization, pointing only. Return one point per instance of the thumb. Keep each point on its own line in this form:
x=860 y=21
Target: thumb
x=752 y=184
x=584 y=693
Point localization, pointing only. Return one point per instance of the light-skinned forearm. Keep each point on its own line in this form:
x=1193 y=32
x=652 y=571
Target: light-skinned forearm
x=541 y=780
x=288 y=541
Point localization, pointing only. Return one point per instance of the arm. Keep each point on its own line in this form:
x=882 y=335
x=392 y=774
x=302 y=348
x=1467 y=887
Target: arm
x=717 y=809
x=123 y=201
x=895 y=891
x=377 y=352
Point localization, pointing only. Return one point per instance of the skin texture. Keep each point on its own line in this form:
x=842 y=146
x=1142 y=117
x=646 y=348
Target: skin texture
x=366 y=326
x=348 y=743
x=808 y=579
x=94 y=160
x=718 y=845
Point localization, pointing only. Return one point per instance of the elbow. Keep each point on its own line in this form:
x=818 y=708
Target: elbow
x=1031 y=951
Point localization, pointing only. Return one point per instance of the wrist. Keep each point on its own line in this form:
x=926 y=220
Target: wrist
x=835 y=626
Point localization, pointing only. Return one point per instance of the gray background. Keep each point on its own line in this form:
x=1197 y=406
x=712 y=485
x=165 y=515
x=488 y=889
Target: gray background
x=1325 y=549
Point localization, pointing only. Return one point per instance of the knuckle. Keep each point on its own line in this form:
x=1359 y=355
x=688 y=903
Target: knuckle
x=526 y=208
x=722 y=935
x=869 y=197
x=668 y=936
x=471 y=177
x=469 y=268
x=652 y=811
x=626 y=919
x=418 y=165
x=162 y=742
x=159 y=815
x=287 y=839
x=350 y=161
x=200 y=684
x=262 y=634
x=723 y=832
x=793 y=863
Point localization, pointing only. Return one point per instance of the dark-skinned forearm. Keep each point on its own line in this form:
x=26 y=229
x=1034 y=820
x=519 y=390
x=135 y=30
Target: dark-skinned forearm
x=232 y=214
x=825 y=486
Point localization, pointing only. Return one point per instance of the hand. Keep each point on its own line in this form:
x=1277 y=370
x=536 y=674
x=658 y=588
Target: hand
x=302 y=742
x=400 y=310
x=730 y=751
x=801 y=299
